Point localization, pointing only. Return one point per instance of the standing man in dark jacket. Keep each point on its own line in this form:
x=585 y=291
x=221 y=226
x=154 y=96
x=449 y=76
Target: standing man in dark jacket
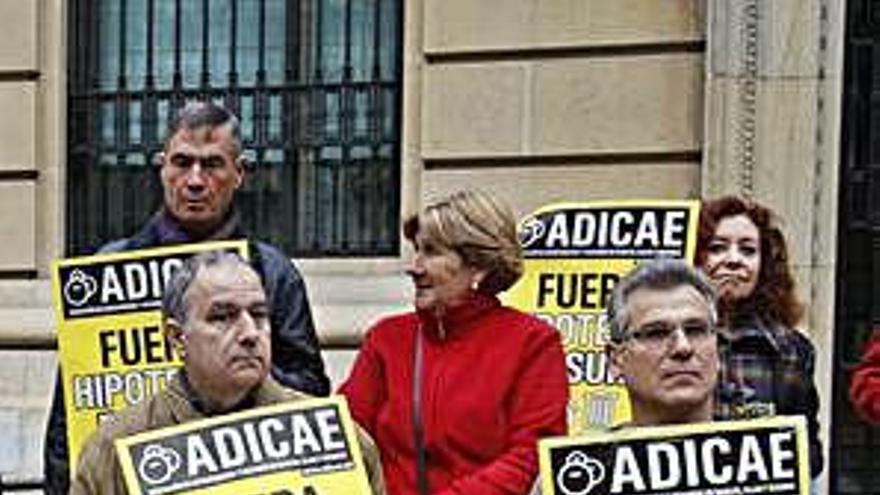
x=201 y=168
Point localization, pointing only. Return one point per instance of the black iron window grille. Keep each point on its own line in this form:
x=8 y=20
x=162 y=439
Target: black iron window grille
x=855 y=466
x=316 y=84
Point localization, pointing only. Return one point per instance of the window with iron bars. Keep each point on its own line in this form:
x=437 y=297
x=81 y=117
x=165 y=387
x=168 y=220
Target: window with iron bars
x=854 y=463
x=316 y=84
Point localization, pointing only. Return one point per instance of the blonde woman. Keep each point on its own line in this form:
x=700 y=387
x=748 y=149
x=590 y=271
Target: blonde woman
x=457 y=392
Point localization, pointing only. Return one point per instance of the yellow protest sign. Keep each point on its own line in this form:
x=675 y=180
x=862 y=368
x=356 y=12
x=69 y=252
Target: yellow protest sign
x=574 y=255
x=110 y=341
x=766 y=456
x=306 y=447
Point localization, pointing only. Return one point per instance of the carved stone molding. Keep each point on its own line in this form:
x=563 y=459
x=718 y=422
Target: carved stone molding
x=772 y=112
x=772 y=132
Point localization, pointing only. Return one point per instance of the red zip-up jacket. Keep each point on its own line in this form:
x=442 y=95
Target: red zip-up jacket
x=864 y=385
x=493 y=383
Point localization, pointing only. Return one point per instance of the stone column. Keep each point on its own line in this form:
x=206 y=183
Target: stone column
x=772 y=124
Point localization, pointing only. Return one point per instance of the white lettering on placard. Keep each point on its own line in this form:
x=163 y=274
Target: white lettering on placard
x=711 y=448
x=663 y=455
x=779 y=453
x=229 y=447
x=275 y=450
x=104 y=390
x=616 y=229
x=751 y=461
x=626 y=472
x=198 y=457
x=140 y=280
x=704 y=463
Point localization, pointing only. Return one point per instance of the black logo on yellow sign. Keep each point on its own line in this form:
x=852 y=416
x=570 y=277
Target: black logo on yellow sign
x=115 y=287
x=743 y=461
x=310 y=441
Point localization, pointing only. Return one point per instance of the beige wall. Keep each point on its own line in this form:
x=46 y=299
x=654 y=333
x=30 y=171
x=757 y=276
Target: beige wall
x=773 y=85
x=570 y=97
x=31 y=148
x=18 y=166
x=533 y=100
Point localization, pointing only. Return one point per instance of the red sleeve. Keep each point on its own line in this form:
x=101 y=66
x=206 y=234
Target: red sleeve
x=864 y=389
x=365 y=387
x=538 y=410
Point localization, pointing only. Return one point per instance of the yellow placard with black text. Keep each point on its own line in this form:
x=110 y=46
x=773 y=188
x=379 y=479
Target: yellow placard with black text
x=306 y=447
x=759 y=456
x=575 y=253
x=110 y=339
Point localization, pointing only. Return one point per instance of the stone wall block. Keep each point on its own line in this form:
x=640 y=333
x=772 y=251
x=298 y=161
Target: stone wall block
x=567 y=183
x=465 y=25
x=785 y=154
x=720 y=171
x=17 y=226
x=783 y=150
x=18 y=51
x=650 y=103
x=18 y=130
x=23 y=409
x=775 y=39
x=788 y=44
x=473 y=109
x=726 y=37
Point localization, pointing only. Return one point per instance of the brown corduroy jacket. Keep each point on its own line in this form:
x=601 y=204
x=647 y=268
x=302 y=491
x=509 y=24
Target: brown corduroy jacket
x=98 y=471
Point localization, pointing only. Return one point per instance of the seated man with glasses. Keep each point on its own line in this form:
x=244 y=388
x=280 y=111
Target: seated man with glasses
x=663 y=342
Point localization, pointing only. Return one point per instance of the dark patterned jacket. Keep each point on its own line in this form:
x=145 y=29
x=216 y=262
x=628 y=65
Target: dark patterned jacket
x=767 y=369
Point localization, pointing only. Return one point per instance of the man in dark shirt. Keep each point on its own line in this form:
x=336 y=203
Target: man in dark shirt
x=201 y=169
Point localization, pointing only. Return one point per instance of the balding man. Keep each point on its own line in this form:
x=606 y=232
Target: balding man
x=216 y=316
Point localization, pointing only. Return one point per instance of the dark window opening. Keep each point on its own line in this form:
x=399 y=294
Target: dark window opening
x=316 y=84
x=855 y=466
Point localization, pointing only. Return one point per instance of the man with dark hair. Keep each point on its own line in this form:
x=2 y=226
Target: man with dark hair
x=216 y=316
x=663 y=342
x=201 y=168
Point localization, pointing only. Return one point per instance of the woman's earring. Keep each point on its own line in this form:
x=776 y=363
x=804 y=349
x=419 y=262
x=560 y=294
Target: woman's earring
x=475 y=285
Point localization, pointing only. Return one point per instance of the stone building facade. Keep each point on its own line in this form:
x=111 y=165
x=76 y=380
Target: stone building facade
x=533 y=100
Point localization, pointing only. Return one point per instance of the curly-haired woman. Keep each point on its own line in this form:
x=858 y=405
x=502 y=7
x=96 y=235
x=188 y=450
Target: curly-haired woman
x=766 y=363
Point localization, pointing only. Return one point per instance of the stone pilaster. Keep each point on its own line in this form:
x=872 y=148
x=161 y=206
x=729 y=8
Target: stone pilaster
x=773 y=78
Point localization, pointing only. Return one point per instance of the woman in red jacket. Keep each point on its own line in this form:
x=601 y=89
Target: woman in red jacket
x=457 y=393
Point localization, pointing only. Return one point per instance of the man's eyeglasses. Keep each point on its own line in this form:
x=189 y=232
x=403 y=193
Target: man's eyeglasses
x=696 y=331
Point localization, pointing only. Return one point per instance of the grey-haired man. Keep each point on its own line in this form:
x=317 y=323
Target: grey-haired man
x=663 y=342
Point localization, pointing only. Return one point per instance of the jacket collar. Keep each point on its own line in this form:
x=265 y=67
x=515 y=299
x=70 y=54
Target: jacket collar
x=751 y=327
x=450 y=321
x=163 y=229
x=185 y=405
